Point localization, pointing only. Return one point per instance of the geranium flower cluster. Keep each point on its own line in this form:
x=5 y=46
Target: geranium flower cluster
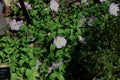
x=60 y=41
x=54 y=5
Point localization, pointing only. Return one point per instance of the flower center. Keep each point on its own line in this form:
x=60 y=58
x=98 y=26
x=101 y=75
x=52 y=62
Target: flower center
x=15 y=25
x=59 y=41
x=54 y=5
x=113 y=9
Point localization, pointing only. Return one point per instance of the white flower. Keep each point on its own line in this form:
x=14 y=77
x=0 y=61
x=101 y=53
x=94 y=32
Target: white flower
x=54 y=5
x=27 y=5
x=102 y=0
x=54 y=66
x=15 y=25
x=84 y=1
x=37 y=66
x=50 y=70
x=82 y=40
x=113 y=9
x=82 y=21
x=59 y=41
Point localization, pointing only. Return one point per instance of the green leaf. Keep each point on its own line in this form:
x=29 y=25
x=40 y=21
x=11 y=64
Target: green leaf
x=25 y=58
x=22 y=69
x=67 y=31
x=30 y=54
x=67 y=55
x=8 y=50
x=60 y=77
x=32 y=62
x=79 y=31
x=53 y=76
x=31 y=74
x=59 y=53
x=35 y=73
x=2 y=54
x=13 y=76
x=53 y=34
x=61 y=67
x=21 y=62
x=61 y=31
x=28 y=73
x=52 y=47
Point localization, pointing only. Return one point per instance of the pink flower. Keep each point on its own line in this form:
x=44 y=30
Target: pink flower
x=15 y=25
x=54 y=5
x=59 y=41
x=27 y=5
x=113 y=9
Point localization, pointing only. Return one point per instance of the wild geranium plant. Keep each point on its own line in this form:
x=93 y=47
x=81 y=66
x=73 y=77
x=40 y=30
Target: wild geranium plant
x=66 y=40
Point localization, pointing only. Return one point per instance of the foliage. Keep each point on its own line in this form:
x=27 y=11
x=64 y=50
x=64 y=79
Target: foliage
x=97 y=59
